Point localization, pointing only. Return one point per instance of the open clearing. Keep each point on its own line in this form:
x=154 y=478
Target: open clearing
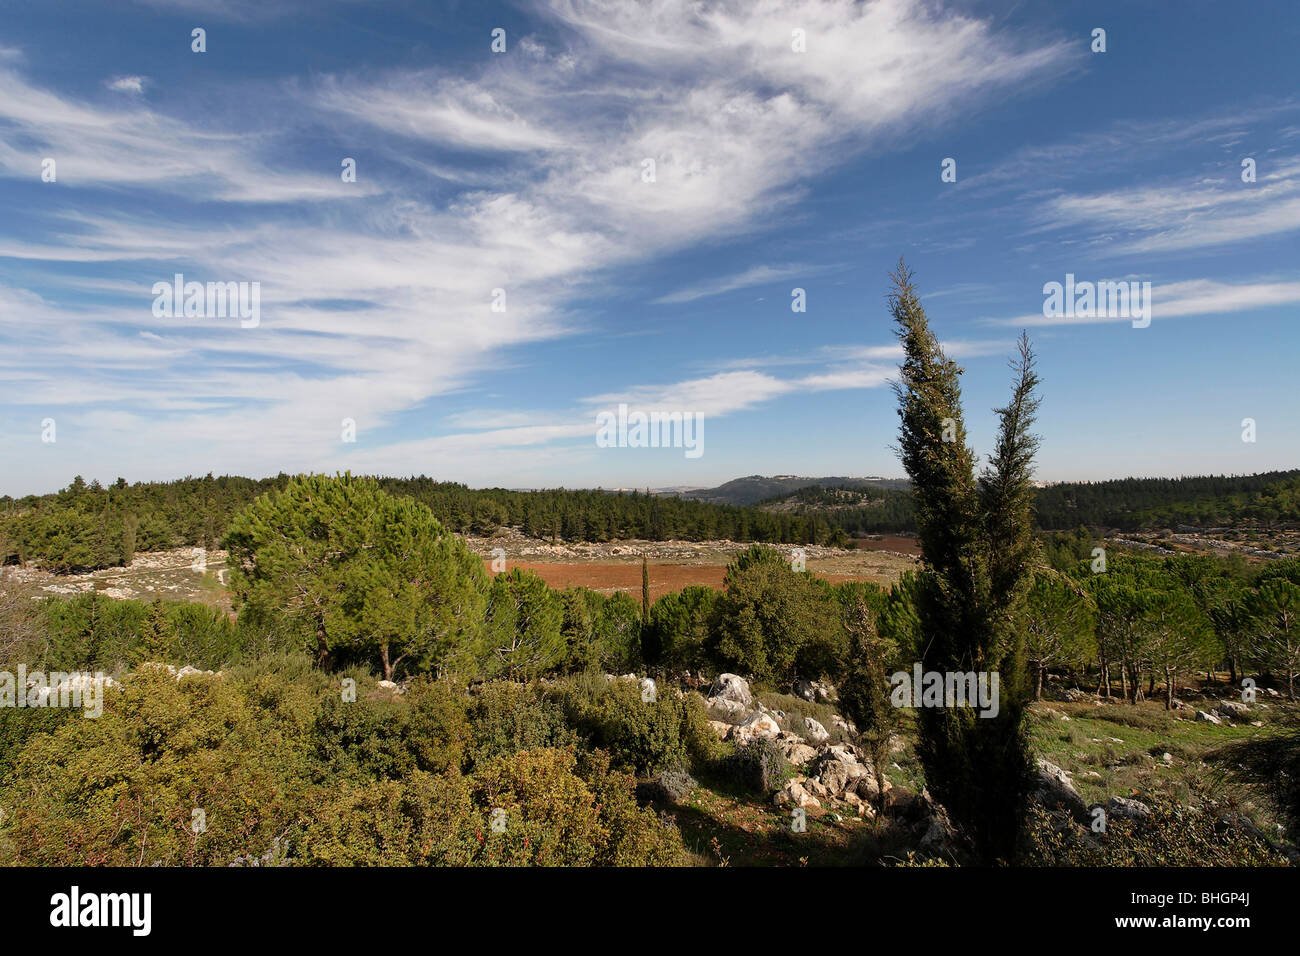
x=190 y=574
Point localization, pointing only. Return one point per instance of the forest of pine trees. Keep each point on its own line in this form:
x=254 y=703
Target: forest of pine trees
x=87 y=525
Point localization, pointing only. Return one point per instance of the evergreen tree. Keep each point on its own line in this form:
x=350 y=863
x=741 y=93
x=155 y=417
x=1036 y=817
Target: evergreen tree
x=864 y=689
x=1275 y=608
x=159 y=635
x=1058 y=625
x=356 y=573
x=645 y=590
x=977 y=546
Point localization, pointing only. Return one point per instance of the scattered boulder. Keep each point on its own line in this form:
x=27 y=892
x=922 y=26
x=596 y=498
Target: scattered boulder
x=1233 y=709
x=816 y=732
x=754 y=726
x=795 y=750
x=816 y=787
x=733 y=687
x=1055 y=790
x=940 y=837
x=720 y=727
x=726 y=706
x=1203 y=717
x=1126 y=809
x=832 y=773
x=793 y=794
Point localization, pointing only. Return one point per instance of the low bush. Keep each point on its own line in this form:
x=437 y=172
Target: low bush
x=758 y=766
x=641 y=736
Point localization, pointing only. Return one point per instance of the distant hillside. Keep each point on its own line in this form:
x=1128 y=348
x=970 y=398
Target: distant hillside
x=856 y=509
x=881 y=505
x=1132 y=504
x=755 y=488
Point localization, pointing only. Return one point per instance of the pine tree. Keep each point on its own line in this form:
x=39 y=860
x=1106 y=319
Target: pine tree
x=977 y=545
x=645 y=591
x=864 y=689
x=159 y=634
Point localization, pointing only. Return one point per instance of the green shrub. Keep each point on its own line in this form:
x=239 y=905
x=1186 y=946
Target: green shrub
x=507 y=718
x=758 y=766
x=639 y=735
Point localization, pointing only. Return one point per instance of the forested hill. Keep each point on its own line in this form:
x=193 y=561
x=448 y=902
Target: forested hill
x=1126 y=504
x=90 y=526
x=1130 y=504
x=857 y=509
x=753 y=489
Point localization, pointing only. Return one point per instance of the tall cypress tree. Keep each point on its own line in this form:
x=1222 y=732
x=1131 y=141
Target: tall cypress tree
x=645 y=590
x=977 y=548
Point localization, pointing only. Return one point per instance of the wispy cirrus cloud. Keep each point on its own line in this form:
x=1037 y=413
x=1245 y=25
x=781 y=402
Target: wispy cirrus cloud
x=1186 y=298
x=734 y=136
x=755 y=275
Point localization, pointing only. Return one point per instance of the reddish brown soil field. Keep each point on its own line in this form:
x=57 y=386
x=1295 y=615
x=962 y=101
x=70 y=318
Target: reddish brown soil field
x=664 y=578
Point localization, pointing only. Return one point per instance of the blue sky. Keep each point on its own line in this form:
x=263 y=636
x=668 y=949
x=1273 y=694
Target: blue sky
x=774 y=170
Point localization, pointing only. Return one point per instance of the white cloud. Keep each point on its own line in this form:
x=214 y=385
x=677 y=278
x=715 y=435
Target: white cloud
x=127 y=84
x=1175 y=299
x=735 y=121
x=755 y=275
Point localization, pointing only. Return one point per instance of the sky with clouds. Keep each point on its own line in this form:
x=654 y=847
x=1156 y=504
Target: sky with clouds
x=775 y=169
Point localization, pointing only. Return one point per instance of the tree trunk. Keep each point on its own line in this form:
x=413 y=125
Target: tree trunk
x=322 y=646
x=383 y=657
x=1169 y=689
x=1038 y=693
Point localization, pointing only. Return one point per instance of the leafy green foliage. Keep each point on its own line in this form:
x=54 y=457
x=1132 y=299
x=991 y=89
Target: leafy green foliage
x=639 y=735
x=522 y=635
x=356 y=573
x=775 y=623
x=680 y=623
x=269 y=762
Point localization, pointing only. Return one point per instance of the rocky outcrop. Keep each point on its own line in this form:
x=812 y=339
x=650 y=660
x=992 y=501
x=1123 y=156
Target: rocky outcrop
x=754 y=726
x=1124 y=808
x=793 y=794
x=726 y=707
x=1055 y=790
x=1234 y=710
x=733 y=687
x=815 y=731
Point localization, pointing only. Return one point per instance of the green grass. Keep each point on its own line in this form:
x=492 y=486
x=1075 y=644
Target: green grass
x=1117 y=750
